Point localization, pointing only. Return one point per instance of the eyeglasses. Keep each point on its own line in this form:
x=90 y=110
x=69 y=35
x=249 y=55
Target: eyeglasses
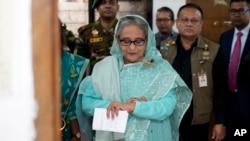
x=163 y=20
x=136 y=42
x=186 y=20
x=240 y=11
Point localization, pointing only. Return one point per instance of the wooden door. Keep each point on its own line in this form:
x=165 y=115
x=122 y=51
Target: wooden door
x=46 y=66
x=216 y=17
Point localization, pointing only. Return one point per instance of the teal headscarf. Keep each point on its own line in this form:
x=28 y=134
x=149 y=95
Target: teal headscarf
x=151 y=50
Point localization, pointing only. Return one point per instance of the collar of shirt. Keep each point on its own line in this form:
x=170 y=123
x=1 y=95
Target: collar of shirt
x=245 y=32
x=169 y=36
x=180 y=47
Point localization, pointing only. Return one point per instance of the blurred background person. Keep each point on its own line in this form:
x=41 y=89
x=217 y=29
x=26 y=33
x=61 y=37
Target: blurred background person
x=164 y=22
x=70 y=39
x=193 y=56
x=72 y=70
x=97 y=37
x=232 y=77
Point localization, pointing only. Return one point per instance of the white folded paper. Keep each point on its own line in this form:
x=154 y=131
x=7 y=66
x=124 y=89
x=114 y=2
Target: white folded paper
x=101 y=122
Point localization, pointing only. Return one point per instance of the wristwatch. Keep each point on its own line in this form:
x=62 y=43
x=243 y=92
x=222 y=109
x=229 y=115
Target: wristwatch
x=78 y=134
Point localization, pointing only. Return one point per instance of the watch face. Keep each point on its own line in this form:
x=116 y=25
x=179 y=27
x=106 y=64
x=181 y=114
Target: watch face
x=78 y=135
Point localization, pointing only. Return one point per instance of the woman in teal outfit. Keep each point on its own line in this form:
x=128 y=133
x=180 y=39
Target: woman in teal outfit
x=72 y=70
x=136 y=79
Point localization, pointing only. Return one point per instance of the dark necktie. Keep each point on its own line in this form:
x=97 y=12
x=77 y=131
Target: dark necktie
x=234 y=63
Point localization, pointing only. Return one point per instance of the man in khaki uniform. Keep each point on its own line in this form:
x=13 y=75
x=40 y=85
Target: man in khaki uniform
x=192 y=56
x=97 y=37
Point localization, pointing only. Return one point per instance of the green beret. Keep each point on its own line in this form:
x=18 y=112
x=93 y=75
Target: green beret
x=96 y=3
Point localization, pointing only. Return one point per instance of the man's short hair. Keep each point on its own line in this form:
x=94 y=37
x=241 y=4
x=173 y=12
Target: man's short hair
x=191 y=5
x=167 y=9
x=247 y=2
x=96 y=3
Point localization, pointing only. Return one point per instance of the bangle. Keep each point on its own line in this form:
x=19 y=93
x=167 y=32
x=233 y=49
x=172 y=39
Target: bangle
x=64 y=124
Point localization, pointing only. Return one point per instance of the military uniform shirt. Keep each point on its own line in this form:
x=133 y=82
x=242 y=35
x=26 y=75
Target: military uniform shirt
x=96 y=42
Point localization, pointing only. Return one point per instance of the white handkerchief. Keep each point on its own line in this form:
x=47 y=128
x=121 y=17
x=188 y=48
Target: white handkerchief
x=118 y=124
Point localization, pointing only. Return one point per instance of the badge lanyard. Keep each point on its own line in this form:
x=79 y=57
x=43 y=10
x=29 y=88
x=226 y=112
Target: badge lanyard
x=202 y=76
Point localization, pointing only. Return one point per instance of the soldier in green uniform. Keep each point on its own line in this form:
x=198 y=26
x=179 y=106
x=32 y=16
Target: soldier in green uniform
x=71 y=40
x=97 y=37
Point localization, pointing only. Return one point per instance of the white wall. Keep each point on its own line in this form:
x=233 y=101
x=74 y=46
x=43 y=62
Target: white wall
x=17 y=104
x=73 y=14
x=173 y=4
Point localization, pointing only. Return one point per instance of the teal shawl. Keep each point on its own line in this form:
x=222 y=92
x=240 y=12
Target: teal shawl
x=154 y=81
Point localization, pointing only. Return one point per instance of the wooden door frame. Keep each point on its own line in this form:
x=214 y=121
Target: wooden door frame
x=46 y=68
x=149 y=12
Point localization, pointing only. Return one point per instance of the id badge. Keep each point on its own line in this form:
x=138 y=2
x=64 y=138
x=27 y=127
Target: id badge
x=202 y=77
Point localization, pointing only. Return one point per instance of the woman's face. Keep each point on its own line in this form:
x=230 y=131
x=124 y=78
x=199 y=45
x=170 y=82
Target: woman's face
x=132 y=42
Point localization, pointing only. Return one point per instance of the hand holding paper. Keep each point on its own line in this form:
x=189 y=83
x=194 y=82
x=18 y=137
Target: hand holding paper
x=101 y=122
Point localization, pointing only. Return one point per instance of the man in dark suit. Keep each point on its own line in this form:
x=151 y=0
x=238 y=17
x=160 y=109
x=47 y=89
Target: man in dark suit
x=231 y=74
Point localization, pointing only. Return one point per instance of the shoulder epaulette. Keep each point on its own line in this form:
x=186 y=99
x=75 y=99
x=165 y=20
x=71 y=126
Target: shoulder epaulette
x=82 y=29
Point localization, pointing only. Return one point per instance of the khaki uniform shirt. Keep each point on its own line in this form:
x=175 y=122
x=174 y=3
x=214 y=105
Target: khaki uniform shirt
x=202 y=58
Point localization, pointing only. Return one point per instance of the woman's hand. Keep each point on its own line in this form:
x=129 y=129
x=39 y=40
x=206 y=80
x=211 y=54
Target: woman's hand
x=114 y=108
x=75 y=129
x=130 y=105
